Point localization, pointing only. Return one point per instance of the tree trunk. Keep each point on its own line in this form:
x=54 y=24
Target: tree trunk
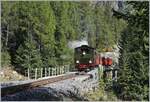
x=6 y=42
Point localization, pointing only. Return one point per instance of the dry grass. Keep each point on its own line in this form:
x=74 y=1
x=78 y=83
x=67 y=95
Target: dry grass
x=8 y=74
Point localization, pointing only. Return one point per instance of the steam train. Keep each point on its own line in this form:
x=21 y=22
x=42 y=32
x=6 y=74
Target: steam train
x=87 y=58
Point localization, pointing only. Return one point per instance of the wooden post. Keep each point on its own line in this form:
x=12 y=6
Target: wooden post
x=41 y=72
x=52 y=71
x=67 y=68
x=111 y=75
x=49 y=71
x=116 y=75
x=64 y=71
x=60 y=70
x=36 y=73
x=45 y=72
x=28 y=74
x=99 y=72
x=55 y=70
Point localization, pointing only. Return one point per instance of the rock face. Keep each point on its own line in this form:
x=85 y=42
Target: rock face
x=66 y=90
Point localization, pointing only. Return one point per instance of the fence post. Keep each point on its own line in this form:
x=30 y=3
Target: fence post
x=68 y=68
x=116 y=75
x=28 y=74
x=49 y=71
x=41 y=72
x=61 y=70
x=58 y=70
x=45 y=72
x=36 y=73
x=55 y=71
x=64 y=70
x=52 y=71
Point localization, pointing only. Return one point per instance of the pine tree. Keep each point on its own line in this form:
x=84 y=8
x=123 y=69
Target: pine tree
x=8 y=27
x=133 y=75
x=45 y=33
x=63 y=30
x=28 y=56
x=108 y=28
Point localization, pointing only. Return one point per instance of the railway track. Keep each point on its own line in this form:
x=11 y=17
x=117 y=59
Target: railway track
x=37 y=83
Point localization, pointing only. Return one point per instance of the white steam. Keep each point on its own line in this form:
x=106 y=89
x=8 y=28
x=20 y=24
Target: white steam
x=74 y=44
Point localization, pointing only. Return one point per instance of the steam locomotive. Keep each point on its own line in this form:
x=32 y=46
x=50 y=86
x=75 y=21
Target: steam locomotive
x=87 y=58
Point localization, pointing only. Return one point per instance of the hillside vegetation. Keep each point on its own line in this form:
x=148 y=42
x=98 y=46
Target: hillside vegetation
x=36 y=35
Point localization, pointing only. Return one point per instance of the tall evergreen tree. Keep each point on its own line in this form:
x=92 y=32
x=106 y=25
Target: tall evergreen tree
x=107 y=27
x=63 y=30
x=133 y=75
x=45 y=29
x=28 y=56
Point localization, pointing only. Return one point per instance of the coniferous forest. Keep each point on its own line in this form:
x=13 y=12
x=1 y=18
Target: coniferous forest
x=36 y=35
